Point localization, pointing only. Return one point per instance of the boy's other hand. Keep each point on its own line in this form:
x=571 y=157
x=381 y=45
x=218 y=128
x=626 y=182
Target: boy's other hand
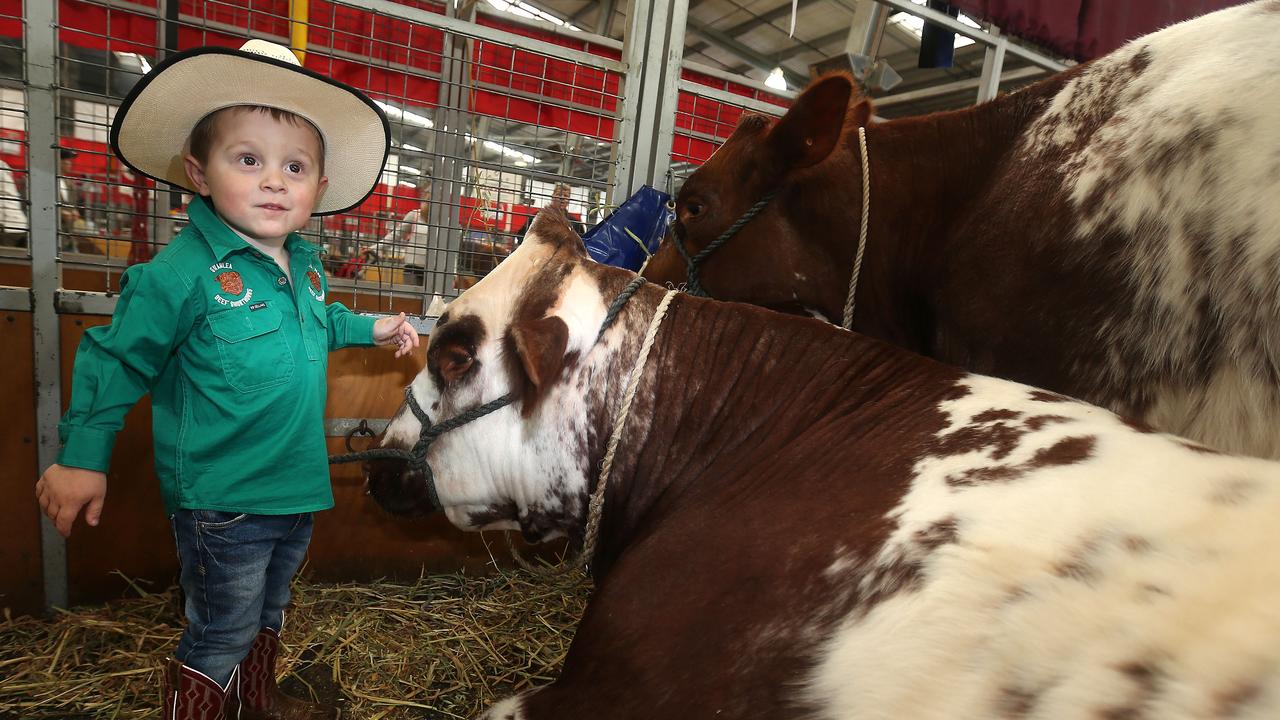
x=64 y=491
x=396 y=331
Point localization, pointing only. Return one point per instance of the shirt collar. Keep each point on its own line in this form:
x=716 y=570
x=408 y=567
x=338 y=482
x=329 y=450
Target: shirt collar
x=224 y=241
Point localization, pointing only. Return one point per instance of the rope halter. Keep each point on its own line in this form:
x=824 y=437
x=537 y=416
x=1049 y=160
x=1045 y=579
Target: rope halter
x=694 y=285
x=416 y=458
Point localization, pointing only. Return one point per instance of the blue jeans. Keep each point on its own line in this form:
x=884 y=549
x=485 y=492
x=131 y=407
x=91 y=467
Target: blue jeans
x=236 y=570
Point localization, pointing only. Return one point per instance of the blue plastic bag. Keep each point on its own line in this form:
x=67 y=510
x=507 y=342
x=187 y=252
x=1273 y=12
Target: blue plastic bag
x=633 y=232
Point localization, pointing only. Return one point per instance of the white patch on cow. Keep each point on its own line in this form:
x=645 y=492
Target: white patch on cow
x=1230 y=412
x=1182 y=157
x=508 y=709
x=536 y=463
x=818 y=314
x=1139 y=577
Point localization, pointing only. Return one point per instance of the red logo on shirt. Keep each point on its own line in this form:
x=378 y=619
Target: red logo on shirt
x=231 y=282
x=314 y=277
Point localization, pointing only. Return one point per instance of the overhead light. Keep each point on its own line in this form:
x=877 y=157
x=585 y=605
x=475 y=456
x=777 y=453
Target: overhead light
x=509 y=152
x=414 y=148
x=405 y=116
x=523 y=9
x=776 y=80
x=142 y=61
x=504 y=150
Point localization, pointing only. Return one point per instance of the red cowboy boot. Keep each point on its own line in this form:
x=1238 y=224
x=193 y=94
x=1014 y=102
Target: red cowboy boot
x=190 y=695
x=254 y=695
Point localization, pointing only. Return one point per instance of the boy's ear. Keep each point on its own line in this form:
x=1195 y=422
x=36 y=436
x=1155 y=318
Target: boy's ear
x=541 y=345
x=324 y=185
x=195 y=173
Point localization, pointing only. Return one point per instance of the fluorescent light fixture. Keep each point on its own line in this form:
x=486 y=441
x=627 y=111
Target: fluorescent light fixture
x=504 y=150
x=146 y=66
x=509 y=152
x=523 y=9
x=405 y=116
x=414 y=148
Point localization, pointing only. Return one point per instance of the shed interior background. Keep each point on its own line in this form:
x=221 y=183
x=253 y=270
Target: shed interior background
x=493 y=103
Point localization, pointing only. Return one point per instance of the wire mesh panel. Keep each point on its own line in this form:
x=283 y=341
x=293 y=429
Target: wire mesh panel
x=708 y=110
x=490 y=121
x=14 y=204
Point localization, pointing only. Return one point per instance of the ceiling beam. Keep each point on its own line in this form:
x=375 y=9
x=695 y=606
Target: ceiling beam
x=754 y=58
x=766 y=18
x=892 y=31
x=604 y=21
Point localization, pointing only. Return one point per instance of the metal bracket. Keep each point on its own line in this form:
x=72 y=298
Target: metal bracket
x=345 y=427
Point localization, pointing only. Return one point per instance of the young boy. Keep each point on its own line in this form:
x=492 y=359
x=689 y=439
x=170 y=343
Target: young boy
x=228 y=329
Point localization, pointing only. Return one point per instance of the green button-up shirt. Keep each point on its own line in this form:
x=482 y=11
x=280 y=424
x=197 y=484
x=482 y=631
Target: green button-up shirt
x=234 y=356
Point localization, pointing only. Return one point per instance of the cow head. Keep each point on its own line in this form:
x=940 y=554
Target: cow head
x=768 y=261
x=528 y=330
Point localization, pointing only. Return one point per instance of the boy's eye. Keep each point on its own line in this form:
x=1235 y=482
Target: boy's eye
x=295 y=167
x=248 y=160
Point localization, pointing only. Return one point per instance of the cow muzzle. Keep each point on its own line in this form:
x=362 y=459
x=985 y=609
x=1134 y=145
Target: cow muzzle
x=399 y=489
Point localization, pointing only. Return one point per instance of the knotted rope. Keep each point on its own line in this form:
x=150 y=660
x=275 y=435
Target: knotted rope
x=694 y=287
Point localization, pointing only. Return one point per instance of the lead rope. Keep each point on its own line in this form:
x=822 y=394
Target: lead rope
x=595 y=508
x=862 y=233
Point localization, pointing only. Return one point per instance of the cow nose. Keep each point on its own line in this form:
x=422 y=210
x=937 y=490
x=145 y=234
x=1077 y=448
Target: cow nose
x=399 y=490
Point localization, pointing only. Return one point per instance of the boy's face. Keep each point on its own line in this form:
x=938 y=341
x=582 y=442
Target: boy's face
x=262 y=174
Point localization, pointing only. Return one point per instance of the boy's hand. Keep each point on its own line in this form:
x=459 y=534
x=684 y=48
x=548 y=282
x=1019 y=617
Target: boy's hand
x=63 y=491
x=395 y=331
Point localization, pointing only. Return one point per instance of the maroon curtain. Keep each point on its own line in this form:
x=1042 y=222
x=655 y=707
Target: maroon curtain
x=1085 y=29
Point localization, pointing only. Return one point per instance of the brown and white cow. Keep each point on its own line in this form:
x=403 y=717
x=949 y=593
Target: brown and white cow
x=1111 y=233
x=804 y=522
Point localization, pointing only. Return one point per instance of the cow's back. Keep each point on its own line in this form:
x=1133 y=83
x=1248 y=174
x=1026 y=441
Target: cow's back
x=1065 y=565
x=1140 y=212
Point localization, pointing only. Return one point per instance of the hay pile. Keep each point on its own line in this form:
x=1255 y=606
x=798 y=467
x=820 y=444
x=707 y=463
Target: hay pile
x=445 y=646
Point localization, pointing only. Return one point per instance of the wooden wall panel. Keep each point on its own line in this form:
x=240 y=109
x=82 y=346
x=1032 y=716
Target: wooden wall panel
x=134 y=536
x=367 y=302
x=15 y=273
x=92 y=279
x=21 y=584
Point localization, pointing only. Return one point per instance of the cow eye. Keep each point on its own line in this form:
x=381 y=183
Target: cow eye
x=694 y=208
x=455 y=363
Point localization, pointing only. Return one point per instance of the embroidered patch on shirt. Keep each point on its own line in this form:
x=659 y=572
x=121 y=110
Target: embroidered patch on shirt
x=232 y=285
x=314 y=285
x=257 y=306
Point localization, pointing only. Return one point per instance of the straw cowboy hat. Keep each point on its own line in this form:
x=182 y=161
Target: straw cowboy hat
x=152 y=125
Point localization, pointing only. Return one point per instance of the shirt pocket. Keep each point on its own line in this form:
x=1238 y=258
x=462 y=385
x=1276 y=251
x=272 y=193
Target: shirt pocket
x=320 y=311
x=254 y=352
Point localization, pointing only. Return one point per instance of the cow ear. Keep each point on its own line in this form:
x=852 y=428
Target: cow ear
x=541 y=345
x=810 y=130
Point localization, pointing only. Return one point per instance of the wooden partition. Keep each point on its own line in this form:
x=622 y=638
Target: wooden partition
x=21 y=583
